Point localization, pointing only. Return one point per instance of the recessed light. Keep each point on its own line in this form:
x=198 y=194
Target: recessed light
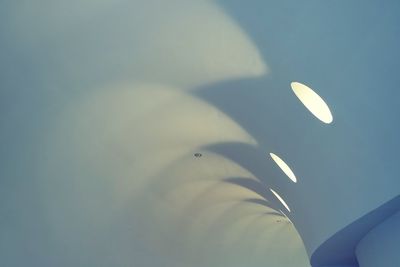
x=313 y=102
x=284 y=167
x=280 y=199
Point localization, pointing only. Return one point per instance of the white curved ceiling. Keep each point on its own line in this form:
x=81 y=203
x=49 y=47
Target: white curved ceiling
x=111 y=175
x=104 y=105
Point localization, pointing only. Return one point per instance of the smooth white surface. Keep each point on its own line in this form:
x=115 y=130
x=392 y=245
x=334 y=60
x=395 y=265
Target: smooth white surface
x=100 y=120
x=93 y=174
x=380 y=247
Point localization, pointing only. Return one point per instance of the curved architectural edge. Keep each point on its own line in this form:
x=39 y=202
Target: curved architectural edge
x=380 y=246
x=339 y=250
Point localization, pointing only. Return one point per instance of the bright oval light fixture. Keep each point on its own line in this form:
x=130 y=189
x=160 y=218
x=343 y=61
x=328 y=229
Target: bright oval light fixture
x=284 y=167
x=313 y=102
x=280 y=199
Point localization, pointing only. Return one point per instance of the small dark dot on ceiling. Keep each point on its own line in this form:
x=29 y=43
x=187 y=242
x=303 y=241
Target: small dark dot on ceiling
x=198 y=155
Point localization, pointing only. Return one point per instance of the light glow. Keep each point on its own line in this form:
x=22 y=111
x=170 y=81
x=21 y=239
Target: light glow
x=312 y=101
x=280 y=199
x=284 y=167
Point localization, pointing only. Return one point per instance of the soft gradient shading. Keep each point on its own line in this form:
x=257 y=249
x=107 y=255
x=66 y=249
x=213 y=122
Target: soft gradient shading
x=98 y=133
x=104 y=105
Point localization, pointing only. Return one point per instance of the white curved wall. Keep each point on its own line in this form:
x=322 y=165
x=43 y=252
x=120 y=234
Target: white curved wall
x=104 y=104
x=99 y=127
x=348 y=53
x=380 y=247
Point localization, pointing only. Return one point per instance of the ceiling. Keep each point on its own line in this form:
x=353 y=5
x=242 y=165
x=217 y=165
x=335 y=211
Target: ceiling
x=139 y=133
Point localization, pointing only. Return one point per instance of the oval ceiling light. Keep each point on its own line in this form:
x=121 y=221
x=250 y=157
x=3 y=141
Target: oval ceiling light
x=313 y=102
x=280 y=199
x=284 y=167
